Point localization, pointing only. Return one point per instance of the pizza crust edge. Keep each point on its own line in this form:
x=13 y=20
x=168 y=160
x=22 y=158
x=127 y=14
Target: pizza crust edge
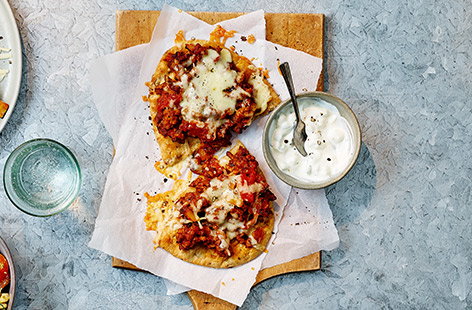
x=210 y=258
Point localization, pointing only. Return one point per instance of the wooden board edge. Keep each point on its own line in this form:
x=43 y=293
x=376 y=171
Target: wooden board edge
x=119 y=14
x=321 y=79
x=312 y=262
x=224 y=16
x=118 y=263
x=215 y=17
x=204 y=301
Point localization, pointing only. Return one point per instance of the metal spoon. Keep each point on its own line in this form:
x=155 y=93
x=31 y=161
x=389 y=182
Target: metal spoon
x=299 y=135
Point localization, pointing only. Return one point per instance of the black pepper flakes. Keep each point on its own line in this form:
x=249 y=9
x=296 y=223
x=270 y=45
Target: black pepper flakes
x=329 y=159
x=285 y=141
x=165 y=180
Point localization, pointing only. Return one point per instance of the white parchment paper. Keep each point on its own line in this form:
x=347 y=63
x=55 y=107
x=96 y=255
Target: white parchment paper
x=117 y=83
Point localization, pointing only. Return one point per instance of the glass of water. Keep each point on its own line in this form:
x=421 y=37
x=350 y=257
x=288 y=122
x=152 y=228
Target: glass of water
x=42 y=177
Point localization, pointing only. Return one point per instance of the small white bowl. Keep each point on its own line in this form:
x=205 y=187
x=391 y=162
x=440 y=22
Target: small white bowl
x=345 y=112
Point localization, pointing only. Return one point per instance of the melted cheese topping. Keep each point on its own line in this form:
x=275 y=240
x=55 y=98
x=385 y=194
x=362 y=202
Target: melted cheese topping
x=204 y=93
x=219 y=34
x=262 y=94
x=251 y=238
x=253 y=188
x=224 y=197
x=179 y=37
x=224 y=241
x=232 y=227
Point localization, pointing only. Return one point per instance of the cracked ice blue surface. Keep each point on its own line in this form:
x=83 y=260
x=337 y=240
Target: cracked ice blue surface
x=403 y=213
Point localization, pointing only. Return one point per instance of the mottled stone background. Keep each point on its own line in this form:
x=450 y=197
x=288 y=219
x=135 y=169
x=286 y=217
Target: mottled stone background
x=403 y=213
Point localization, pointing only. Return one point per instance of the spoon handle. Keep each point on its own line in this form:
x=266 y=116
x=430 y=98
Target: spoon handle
x=285 y=69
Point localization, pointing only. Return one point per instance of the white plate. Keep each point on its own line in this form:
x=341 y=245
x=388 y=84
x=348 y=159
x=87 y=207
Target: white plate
x=10 y=86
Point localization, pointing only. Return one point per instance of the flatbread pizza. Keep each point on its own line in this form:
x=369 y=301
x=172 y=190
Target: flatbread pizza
x=201 y=93
x=221 y=217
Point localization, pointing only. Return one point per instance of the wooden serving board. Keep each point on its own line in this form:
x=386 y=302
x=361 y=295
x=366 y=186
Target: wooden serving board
x=304 y=32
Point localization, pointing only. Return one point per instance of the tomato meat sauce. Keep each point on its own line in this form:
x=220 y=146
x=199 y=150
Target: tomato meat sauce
x=255 y=207
x=168 y=118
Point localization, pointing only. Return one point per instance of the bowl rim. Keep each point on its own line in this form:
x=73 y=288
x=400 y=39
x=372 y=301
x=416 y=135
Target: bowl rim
x=74 y=160
x=5 y=251
x=291 y=180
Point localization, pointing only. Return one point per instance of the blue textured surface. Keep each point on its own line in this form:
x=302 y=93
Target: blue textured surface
x=403 y=213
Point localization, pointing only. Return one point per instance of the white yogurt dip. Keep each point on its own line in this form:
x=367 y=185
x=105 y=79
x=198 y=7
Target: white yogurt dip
x=330 y=144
